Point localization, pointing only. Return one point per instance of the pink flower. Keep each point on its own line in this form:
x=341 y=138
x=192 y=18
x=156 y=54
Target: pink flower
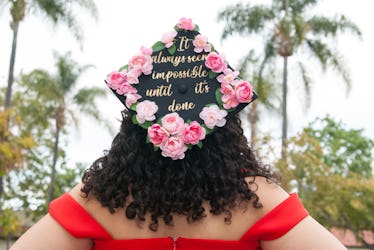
x=174 y=148
x=146 y=111
x=213 y=116
x=146 y=51
x=201 y=43
x=126 y=88
x=157 y=134
x=186 y=24
x=142 y=63
x=228 y=76
x=173 y=123
x=243 y=91
x=215 y=62
x=193 y=133
x=229 y=98
x=230 y=101
x=132 y=98
x=115 y=79
x=168 y=38
x=132 y=76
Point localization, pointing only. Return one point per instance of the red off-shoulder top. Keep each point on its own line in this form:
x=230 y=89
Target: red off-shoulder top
x=80 y=224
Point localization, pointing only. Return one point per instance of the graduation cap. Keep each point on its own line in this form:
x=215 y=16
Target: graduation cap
x=180 y=89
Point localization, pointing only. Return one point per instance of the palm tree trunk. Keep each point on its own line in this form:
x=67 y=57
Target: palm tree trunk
x=51 y=194
x=8 y=96
x=284 y=109
x=253 y=119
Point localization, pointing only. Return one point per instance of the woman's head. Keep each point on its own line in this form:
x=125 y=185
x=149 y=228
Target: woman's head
x=135 y=176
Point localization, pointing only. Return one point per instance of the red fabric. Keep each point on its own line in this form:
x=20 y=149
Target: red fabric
x=79 y=223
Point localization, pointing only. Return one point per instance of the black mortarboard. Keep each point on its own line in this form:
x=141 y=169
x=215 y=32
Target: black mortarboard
x=180 y=89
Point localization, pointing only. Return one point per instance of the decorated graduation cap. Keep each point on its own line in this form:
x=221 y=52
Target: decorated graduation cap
x=180 y=89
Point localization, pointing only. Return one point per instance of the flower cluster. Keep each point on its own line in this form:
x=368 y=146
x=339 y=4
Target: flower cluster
x=122 y=81
x=233 y=91
x=171 y=133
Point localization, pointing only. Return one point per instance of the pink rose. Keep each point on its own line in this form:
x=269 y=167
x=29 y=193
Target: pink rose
x=174 y=148
x=146 y=111
x=146 y=51
x=201 y=43
x=173 y=123
x=115 y=79
x=215 y=62
x=141 y=63
x=132 y=98
x=230 y=101
x=228 y=76
x=132 y=76
x=213 y=116
x=243 y=91
x=126 y=88
x=168 y=38
x=193 y=133
x=186 y=24
x=157 y=134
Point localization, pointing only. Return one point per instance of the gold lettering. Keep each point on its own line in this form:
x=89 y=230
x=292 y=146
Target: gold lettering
x=196 y=72
x=180 y=106
x=184 y=43
x=161 y=90
x=196 y=58
x=202 y=87
x=174 y=60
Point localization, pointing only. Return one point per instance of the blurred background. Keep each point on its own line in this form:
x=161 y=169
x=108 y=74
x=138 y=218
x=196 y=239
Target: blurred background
x=309 y=60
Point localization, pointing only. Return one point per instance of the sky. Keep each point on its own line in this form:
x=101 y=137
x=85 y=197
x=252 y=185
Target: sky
x=124 y=26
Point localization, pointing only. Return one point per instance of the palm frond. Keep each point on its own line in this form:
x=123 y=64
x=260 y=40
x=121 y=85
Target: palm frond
x=320 y=50
x=324 y=26
x=244 y=20
x=307 y=83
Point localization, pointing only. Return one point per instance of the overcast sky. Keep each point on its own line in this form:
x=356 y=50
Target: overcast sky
x=124 y=26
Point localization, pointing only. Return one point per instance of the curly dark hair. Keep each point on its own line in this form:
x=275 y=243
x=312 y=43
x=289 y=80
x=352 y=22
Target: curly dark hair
x=135 y=176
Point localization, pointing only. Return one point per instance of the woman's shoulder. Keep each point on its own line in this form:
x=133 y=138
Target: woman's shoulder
x=270 y=194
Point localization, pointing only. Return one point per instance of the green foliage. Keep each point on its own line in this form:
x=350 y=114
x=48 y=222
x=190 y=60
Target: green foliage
x=9 y=222
x=330 y=167
x=13 y=146
x=345 y=151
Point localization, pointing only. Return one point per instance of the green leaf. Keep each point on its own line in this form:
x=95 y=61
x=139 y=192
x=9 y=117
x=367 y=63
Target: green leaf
x=207 y=130
x=155 y=148
x=134 y=120
x=212 y=49
x=133 y=107
x=172 y=49
x=200 y=144
x=158 y=46
x=123 y=67
x=147 y=139
x=219 y=98
x=146 y=124
x=212 y=75
x=197 y=28
x=189 y=146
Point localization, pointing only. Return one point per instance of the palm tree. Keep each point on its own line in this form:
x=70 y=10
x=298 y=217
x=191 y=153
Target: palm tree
x=249 y=68
x=288 y=30
x=62 y=98
x=58 y=11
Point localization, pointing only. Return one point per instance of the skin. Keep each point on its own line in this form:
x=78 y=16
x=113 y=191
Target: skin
x=302 y=236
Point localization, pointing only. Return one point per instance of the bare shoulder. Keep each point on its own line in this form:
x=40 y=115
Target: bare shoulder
x=269 y=193
x=58 y=237
x=301 y=236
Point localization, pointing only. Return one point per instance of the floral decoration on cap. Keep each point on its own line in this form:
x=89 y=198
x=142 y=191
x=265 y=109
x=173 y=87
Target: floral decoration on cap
x=180 y=90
